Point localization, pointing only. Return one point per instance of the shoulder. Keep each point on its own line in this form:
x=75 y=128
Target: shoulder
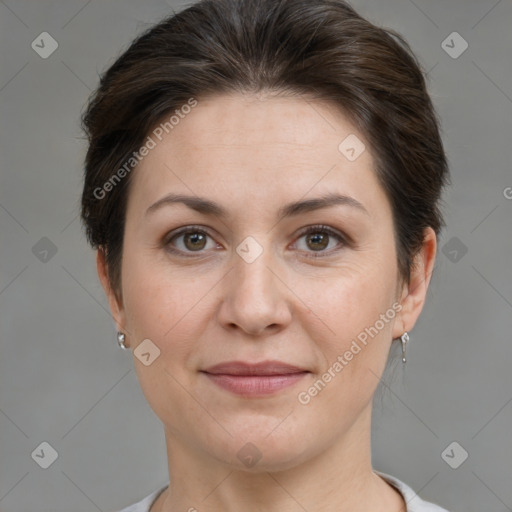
x=145 y=504
x=413 y=501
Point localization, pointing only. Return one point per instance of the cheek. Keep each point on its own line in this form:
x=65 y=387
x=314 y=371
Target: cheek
x=352 y=297
x=164 y=308
x=355 y=312
x=158 y=298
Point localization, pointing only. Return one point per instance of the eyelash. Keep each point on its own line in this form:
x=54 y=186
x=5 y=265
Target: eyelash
x=320 y=228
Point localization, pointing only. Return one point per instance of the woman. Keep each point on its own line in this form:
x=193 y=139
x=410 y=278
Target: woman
x=262 y=186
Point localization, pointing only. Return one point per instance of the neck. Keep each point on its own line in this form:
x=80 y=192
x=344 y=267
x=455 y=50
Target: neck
x=339 y=479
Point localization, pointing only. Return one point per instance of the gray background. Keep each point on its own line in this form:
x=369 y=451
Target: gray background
x=64 y=381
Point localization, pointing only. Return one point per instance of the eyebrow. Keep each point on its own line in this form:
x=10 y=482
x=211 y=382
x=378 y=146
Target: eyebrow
x=208 y=207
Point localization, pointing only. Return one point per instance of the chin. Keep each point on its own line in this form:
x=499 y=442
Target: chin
x=257 y=450
x=257 y=458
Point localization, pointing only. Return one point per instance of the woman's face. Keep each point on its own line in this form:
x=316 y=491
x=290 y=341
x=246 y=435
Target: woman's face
x=250 y=286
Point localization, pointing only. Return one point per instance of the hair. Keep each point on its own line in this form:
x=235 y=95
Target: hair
x=323 y=49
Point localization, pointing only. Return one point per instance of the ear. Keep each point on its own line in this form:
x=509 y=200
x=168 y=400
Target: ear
x=414 y=294
x=115 y=303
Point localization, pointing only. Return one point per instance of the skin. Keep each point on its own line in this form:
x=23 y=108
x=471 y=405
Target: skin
x=252 y=154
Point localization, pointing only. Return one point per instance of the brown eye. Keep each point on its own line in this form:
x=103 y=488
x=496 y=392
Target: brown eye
x=318 y=238
x=194 y=241
x=317 y=241
x=187 y=241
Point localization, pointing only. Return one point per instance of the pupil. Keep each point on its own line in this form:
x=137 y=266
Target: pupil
x=315 y=238
x=194 y=238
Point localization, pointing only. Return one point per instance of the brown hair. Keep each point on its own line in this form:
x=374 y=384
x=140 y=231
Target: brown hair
x=323 y=49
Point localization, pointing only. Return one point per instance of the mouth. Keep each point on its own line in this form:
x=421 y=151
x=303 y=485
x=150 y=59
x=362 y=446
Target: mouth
x=254 y=379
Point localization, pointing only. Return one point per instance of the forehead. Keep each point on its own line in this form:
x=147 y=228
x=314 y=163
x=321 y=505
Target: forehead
x=255 y=122
x=255 y=144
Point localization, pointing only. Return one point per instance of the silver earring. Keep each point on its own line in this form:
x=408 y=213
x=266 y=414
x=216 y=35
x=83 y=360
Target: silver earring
x=404 y=338
x=120 y=340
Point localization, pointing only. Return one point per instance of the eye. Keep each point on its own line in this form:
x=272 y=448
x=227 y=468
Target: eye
x=318 y=238
x=194 y=239
x=189 y=239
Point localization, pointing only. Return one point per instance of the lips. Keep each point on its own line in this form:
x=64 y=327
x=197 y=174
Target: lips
x=263 y=368
x=251 y=380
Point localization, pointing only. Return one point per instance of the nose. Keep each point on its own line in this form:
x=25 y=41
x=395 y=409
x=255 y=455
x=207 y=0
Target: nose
x=256 y=299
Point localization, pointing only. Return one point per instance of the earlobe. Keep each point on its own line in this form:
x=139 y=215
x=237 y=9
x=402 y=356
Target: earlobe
x=414 y=294
x=115 y=303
